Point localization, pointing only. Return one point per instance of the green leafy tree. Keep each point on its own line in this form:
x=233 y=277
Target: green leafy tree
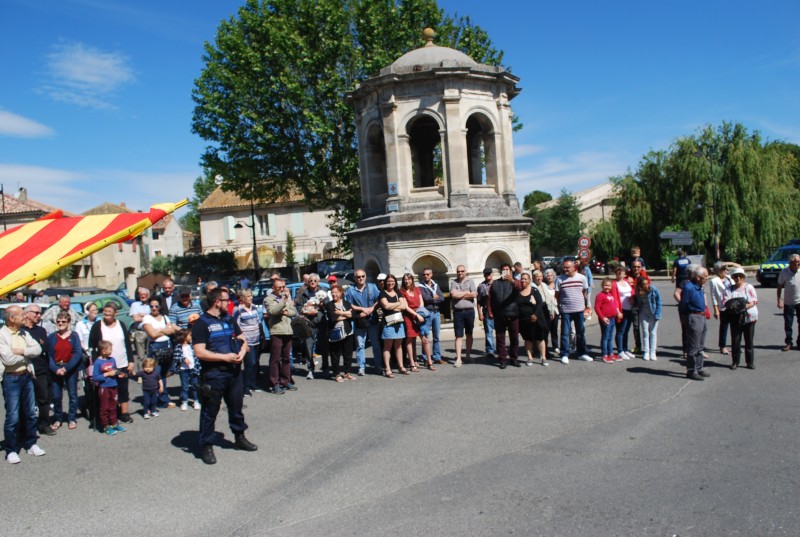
x=606 y=243
x=558 y=228
x=532 y=199
x=270 y=98
x=750 y=184
x=204 y=185
x=161 y=265
x=290 y=260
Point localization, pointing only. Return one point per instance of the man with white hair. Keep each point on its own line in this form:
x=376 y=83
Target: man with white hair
x=17 y=349
x=692 y=311
x=138 y=310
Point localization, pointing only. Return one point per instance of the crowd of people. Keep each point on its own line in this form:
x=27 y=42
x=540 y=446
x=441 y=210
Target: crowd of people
x=215 y=349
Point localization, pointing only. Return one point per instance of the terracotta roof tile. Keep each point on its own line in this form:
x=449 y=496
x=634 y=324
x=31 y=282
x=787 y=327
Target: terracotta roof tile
x=14 y=206
x=108 y=208
x=220 y=199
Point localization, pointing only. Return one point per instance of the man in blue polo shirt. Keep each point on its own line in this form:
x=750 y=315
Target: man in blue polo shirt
x=692 y=311
x=216 y=340
x=363 y=297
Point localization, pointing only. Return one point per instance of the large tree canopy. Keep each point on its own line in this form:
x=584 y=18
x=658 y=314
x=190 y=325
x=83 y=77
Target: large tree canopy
x=270 y=99
x=754 y=191
x=556 y=230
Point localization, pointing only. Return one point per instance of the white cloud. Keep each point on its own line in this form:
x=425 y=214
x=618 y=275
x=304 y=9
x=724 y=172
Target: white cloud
x=21 y=127
x=573 y=173
x=78 y=191
x=85 y=76
x=526 y=150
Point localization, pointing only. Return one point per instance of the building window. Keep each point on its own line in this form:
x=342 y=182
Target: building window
x=156 y=235
x=297 y=223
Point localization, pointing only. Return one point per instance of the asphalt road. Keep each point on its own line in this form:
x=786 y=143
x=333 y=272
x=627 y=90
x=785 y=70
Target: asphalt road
x=585 y=449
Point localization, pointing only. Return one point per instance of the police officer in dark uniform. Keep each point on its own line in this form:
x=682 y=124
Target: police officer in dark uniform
x=220 y=347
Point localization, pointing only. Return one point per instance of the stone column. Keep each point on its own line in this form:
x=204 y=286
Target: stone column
x=454 y=151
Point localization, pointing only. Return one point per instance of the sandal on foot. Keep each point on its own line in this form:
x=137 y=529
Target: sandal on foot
x=338 y=378
x=414 y=369
x=348 y=376
x=403 y=371
x=73 y=425
x=388 y=374
x=56 y=425
x=430 y=366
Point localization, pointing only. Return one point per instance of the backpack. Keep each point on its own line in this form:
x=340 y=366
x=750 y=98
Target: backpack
x=736 y=309
x=302 y=327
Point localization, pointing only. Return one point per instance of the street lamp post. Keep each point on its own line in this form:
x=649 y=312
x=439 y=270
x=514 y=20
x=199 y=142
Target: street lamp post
x=701 y=154
x=252 y=226
x=219 y=180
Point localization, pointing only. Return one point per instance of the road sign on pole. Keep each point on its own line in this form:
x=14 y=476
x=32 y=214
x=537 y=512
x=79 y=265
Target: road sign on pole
x=584 y=242
x=584 y=253
x=675 y=235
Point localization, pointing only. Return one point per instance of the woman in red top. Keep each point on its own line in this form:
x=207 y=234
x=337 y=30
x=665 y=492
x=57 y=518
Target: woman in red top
x=65 y=361
x=413 y=298
x=608 y=311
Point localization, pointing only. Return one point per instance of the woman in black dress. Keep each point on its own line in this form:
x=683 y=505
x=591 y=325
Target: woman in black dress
x=533 y=325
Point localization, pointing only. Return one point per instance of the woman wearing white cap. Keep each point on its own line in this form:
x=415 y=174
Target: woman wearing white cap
x=740 y=302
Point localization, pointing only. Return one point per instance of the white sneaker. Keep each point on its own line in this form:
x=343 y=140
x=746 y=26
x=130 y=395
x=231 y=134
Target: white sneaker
x=556 y=352
x=645 y=357
x=155 y=414
x=184 y=406
x=13 y=458
x=564 y=360
x=653 y=357
x=361 y=372
x=36 y=451
x=625 y=355
x=586 y=358
x=147 y=415
x=196 y=405
x=310 y=375
x=529 y=362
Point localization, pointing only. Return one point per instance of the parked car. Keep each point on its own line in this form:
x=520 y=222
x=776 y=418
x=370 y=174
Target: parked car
x=768 y=271
x=293 y=287
x=260 y=291
x=548 y=261
x=78 y=303
x=597 y=266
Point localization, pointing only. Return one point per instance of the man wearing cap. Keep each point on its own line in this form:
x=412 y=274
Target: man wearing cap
x=483 y=311
x=789 y=279
x=310 y=303
x=215 y=338
x=692 y=311
x=432 y=299
x=363 y=298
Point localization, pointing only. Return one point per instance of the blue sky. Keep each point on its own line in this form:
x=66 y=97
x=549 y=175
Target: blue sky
x=95 y=100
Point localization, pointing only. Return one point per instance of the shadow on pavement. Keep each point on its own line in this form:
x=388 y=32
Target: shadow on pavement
x=656 y=372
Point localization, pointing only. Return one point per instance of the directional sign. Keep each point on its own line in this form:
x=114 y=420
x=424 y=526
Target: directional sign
x=584 y=242
x=675 y=235
x=682 y=242
x=583 y=253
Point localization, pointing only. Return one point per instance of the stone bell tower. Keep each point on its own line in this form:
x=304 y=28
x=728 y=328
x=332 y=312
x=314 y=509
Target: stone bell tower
x=437 y=166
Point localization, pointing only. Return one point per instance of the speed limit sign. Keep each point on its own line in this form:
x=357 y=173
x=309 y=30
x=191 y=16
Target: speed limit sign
x=584 y=253
x=584 y=242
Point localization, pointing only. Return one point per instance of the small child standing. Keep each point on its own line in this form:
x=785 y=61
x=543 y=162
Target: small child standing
x=608 y=312
x=188 y=367
x=105 y=377
x=151 y=386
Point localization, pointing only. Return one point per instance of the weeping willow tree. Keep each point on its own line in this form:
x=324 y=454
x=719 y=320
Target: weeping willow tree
x=750 y=184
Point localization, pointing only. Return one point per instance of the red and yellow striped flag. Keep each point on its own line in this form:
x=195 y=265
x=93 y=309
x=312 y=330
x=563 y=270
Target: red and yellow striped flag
x=33 y=251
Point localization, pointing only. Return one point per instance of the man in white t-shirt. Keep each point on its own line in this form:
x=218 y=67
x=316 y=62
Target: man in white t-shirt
x=789 y=278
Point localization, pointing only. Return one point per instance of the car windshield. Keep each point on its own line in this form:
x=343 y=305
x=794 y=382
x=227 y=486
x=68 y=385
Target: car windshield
x=783 y=254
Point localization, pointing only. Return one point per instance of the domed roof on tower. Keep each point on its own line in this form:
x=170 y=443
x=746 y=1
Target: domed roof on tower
x=428 y=57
